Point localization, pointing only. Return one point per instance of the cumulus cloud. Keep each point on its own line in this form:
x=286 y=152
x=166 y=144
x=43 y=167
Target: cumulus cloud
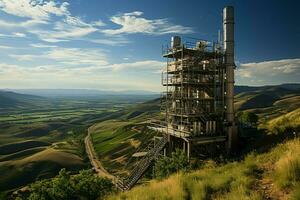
x=17 y=34
x=143 y=65
x=52 y=21
x=133 y=23
x=269 y=72
x=5 y=47
x=34 y=9
x=40 y=45
x=79 y=57
x=39 y=12
x=101 y=76
x=24 y=24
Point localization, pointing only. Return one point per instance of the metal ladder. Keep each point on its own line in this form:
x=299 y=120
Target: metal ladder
x=142 y=166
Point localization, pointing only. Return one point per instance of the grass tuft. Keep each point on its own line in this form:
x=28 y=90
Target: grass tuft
x=287 y=171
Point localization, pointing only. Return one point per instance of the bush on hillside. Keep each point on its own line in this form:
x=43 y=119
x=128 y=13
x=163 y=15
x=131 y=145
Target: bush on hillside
x=169 y=165
x=248 y=118
x=84 y=185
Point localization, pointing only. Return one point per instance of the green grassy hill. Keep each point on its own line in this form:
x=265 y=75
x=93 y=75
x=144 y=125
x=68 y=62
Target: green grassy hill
x=271 y=175
x=116 y=140
x=9 y=100
x=122 y=133
x=39 y=136
x=40 y=164
x=263 y=97
x=287 y=122
x=37 y=140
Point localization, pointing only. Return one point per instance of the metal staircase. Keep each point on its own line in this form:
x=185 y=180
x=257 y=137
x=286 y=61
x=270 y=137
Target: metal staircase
x=142 y=166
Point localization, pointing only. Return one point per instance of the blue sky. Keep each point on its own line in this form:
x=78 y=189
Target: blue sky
x=116 y=45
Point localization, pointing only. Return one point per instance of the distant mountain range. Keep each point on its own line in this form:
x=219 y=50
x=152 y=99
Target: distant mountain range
x=94 y=93
x=10 y=99
x=246 y=96
x=78 y=92
x=289 y=86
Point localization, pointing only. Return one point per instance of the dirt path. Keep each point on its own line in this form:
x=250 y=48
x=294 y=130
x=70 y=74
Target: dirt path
x=95 y=162
x=264 y=184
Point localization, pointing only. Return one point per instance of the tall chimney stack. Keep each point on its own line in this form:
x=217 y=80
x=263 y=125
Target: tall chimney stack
x=228 y=28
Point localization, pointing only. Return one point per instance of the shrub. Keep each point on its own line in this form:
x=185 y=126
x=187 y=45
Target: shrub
x=169 y=165
x=84 y=185
x=248 y=118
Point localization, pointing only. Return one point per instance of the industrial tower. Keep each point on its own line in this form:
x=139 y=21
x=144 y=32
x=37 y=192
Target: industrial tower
x=198 y=101
x=199 y=82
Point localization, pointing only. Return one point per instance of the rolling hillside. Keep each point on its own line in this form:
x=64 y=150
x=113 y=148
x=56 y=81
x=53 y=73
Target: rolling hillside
x=32 y=140
x=119 y=135
x=270 y=175
x=37 y=140
x=262 y=97
x=9 y=100
x=122 y=134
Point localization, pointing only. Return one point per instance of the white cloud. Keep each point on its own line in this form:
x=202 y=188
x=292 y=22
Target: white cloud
x=147 y=65
x=34 y=9
x=67 y=29
x=74 y=57
x=98 y=23
x=52 y=21
x=99 y=77
x=113 y=41
x=17 y=34
x=5 y=47
x=24 y=24
x=269 y=72
x=134 y=23
x=36 y=12
x=20 y=34
x=40 y=45
x=23 y=57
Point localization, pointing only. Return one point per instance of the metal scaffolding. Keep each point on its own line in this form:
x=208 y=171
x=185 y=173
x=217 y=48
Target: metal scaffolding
x=194 y=80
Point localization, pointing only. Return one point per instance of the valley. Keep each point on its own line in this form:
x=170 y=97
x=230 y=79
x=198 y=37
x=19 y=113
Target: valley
x=40 y=136
x=37 y=141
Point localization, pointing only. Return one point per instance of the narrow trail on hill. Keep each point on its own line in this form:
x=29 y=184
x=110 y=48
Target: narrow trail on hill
x=95 y=162
x=265 y=185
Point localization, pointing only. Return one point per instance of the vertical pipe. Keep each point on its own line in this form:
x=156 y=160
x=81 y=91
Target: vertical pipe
x=188 y=150
x=228 y=27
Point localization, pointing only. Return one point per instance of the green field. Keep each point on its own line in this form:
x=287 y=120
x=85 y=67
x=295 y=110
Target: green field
x=37 y=141
x=116 y=140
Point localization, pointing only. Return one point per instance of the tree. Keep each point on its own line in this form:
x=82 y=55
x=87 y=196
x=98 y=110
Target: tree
x=84 y=185
x=90 y=186
x=168 y=165
x=248 y=118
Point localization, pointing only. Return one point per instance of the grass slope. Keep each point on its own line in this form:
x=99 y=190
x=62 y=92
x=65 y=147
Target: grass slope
x=286 y=122
x=116 y=140
x=263 y=97
x=31 y=137
x=273 y=174
x=16 y=100
x=43 y=164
